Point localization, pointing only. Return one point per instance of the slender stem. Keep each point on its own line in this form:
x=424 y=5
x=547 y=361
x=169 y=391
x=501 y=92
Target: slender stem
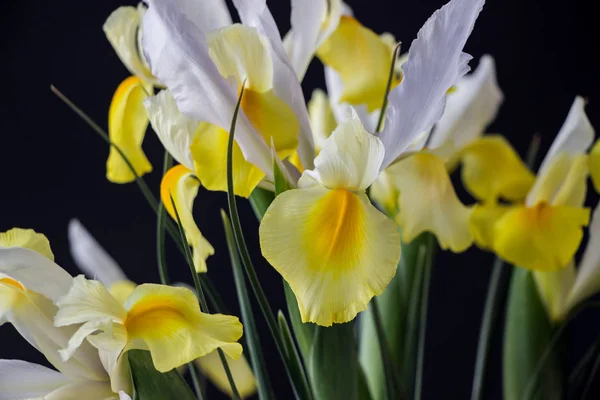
x=388 y=87
x=195 y=381
x=392 y=385
x=160 y=229
x=423 y=317
x=490 y=317
x=202 y=299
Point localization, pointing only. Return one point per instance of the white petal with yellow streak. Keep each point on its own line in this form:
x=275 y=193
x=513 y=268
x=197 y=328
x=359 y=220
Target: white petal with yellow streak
x=175 y=130
x=333 y=247
x=127 y=123
x=26 y=238
x=180 y=184
x=562 y=182
x=350 y=159
x=211 y=366
x=470 y=108
x=168 y=320
x=122 y=29
x=428 y=202
x=91 y=258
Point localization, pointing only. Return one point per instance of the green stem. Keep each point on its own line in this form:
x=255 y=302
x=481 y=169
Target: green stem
x=195 y=381
x=160 y=230
x=388 y=87
x=392 y=385
x=490 y=317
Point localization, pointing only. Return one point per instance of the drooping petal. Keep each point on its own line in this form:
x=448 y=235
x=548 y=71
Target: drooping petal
x=594 y=165
x=575 y=136
x=127 y=123
x=211 y=366
x=22 y=380
x=554 y=287
x=428 y=202
x=587 y=282
x=209 y=152
x=168 y=320
x=363 y=61
x=88 y=300
x=322 y=120
x=470 y=108
x=180 y=183
x=35 y=272
x=312 y=23
x=91 y=258
x=26 y=238
x=178 y=54
x=435 y=63
x=492 y=169
x=349 y=159
x=543 y=237
x=333 y=247
x=122 y=29
x=175 y=130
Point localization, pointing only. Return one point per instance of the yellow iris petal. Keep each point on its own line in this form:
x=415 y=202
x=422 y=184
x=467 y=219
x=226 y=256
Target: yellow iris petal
x=127 y=123
x=322 y=119
x=492 y=169
x=554 y=288
x=209 y=151
x=169 y=321
x=121 y=290
x=482 y=221
x=180 y=183
x=27 y=238
x=428 y=202
x=543 y=237
x=573 y=189
x=384 y=194
x=211 y=366
x=363 y=61
x=333 y=247
x=594 y=165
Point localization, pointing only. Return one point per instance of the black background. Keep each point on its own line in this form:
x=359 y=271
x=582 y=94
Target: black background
x=53 y=165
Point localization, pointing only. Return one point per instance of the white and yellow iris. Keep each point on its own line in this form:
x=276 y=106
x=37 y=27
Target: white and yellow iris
x=544 y=233
x=94 y=261
x=30 y=283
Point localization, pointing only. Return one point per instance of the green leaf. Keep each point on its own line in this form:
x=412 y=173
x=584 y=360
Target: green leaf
x=250 y=331
x=292 y=354
x=388 y=87
x=282 y=184
x=333 y=368
x=528 y=334
x=304 y=332
x=260 y=200
x=150 y=384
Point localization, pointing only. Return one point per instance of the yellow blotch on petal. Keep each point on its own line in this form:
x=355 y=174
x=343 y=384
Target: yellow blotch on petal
x=241 y=52
x=492 y=169
x=209 y=151
x=594 y=165
x=362 y=59
x=211 y=366
x=27 y=238
x=428 y=202
x=169 y=321
x=542 y=237
x=127 y=123
x=334 y=249
x=181 y=184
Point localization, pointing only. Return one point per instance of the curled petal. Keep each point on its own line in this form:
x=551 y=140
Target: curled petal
x=428 y=202
x=333 y=247
x=127 y=123
x=180 y=183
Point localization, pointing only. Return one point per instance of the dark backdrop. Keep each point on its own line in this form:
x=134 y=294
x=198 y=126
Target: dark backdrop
x=53 y=165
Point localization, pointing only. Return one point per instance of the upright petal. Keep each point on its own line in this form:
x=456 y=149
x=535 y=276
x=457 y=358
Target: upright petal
x=178 y=55
x=470 y=108
x=350 y=158
x=587 y=282
x=175 y=130
x=492 y=169
x=169 y=321
x=333 y=247
x=91 y=258
x=322 y=119
x=428 y=202
x=26 y=238
x=435 y=63
x=211 y=366
x=209 y=152
x=594 y=165
x=122 y=29
x=180 y=183
x=127 y=123
x=562 y=182
x=22 y=380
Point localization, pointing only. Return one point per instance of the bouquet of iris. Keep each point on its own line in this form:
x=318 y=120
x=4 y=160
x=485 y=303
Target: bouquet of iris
x=353 y=193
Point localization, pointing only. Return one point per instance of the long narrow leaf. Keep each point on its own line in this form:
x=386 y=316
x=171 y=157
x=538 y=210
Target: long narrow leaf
x=388 y=87
x=260 y=200
x=250 y=331
x=160 y=229
x=291 y=352
x=303 y=331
